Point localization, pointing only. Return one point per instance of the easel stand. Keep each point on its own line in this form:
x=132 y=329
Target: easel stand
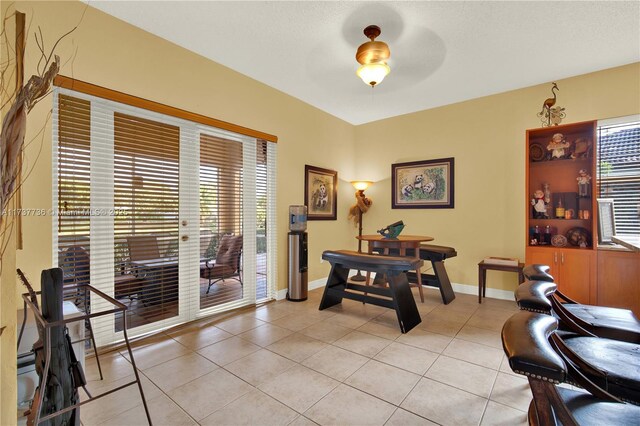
x=47 y=326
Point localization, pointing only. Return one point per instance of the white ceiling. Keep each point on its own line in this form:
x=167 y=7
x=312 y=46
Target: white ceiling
x=441 y=52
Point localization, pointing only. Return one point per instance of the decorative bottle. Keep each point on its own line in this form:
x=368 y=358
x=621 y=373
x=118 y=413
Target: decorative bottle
x=560 y=209
x=547 y=235
x=547 y=197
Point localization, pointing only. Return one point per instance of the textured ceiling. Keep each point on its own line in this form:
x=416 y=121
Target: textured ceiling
x=441 y=52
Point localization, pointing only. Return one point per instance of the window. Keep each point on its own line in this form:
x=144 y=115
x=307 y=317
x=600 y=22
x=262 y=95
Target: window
x=619 y=170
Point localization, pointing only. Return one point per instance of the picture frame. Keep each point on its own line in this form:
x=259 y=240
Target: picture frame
x=320 y=193
x=427 y=184
x=606 y=220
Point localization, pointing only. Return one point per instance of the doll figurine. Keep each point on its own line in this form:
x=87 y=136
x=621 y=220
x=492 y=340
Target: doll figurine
x=557 y=146
x=584 y=183
x=539 y=205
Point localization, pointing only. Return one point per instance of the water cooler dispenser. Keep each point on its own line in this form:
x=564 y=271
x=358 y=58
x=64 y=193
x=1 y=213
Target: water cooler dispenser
x=298 y=281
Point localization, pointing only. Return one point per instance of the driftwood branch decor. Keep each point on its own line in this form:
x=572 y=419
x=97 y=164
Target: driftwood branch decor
x=14 y=126
x=21 y=101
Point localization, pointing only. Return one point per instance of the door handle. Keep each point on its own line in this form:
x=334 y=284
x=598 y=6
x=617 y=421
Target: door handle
x=562 y=258
x=555 y=258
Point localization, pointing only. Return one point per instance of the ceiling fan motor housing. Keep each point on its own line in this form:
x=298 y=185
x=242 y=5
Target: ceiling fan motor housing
x=372 y=51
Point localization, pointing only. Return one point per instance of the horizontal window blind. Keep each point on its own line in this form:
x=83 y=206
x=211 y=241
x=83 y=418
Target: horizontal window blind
x=129 y=184
x=146 y=202
x=221 y=195
x=73 y=195
x=619 y=171
x=261 y=219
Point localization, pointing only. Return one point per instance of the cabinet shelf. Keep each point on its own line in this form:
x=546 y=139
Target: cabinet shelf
x=582 y=162
x=573 y=267
x=532 y=219
x=567 y=247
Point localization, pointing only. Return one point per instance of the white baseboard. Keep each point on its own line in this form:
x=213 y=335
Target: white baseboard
x=493 y=293
x=282 y=294
x=457 y=288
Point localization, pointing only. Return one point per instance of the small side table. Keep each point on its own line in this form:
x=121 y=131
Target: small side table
x=482 y=275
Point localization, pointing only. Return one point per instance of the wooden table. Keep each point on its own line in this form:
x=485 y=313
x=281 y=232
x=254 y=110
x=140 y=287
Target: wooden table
x=482 y=275
x=401 y=243
x=160 y=279
x=396 y=296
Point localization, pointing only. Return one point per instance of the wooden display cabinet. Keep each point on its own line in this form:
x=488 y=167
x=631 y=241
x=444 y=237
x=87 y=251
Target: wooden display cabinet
x=573 y=267
x=619 y=279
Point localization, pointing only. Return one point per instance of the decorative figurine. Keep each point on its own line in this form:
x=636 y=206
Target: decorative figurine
x=584 y=183
x=550 y=115
x=581 y=148
x=557 y=146
x=539 y=205
x=392 y=231
x=556 y=114
x=579 y=237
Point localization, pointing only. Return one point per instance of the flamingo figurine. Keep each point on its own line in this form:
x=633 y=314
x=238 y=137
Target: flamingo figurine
x=549 y=103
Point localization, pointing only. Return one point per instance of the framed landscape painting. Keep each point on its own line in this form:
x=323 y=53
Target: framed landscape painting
x=320 y=193
x=423 y=184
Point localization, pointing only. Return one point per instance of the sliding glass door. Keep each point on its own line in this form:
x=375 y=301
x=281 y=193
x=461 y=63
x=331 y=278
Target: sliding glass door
x=172 y=218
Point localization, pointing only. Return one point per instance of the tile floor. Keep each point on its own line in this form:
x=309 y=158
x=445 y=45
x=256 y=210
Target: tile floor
x=288 y=363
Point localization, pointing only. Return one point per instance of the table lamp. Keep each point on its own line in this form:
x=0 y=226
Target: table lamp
x=355 y=213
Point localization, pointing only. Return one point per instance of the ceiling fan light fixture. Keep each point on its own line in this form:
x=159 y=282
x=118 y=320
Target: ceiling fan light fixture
x=372 y=57
x=373 y=74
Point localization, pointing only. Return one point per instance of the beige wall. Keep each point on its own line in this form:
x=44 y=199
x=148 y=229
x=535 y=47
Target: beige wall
x=110 y=53
x=487 y=138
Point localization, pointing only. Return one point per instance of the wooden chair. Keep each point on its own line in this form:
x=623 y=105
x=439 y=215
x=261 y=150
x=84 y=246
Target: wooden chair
x=530 y=343
x=540 y=294
x=227 y=263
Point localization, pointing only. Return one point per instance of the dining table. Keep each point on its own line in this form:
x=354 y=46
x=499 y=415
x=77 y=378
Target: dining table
x=160 y=279
x=401 y=243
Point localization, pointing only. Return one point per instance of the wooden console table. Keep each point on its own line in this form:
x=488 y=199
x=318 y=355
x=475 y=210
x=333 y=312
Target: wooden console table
x=401 y=243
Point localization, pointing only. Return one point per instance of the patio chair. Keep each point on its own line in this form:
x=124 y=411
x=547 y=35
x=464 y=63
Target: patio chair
x=143 y=247
x=227 y=261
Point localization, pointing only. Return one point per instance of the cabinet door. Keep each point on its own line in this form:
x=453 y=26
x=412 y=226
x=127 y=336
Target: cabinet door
x=619 y=280
x=544 y=256
x=577 y=273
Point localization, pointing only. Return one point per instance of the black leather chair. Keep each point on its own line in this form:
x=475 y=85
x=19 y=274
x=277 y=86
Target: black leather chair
x=530 y=341
x=539 y=294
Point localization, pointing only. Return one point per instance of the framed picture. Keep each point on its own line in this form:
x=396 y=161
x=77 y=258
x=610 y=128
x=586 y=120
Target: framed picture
x=320 y=193
x=422 y=184
x=606 y=220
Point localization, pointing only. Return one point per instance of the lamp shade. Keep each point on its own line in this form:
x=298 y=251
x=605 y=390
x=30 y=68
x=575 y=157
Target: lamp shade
x=373 y=74
x=361 y=185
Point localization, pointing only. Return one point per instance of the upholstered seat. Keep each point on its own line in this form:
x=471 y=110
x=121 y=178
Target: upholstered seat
x=589 y=410
x=619 y=360
x=613 y=323
x=527 y=341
